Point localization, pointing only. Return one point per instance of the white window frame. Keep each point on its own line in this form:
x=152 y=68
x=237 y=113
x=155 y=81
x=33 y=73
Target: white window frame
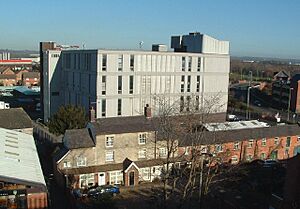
x=87 y=178
x=115 y=177
x=236 y=145
x=236 y=161
x=109 y=153
x=249 y=158
x=250 y=143
x=264 y=142
x=67 y=164
x=146 y=174
x=162 y=152
x=142 y=138
x=276 y=140
x=111 y=142
x=219 y=148
x=263 y=156
x=80 y=161
x=142 y=153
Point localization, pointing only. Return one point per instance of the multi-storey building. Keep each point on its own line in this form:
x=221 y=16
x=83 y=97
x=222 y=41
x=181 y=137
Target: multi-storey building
x=121 y=83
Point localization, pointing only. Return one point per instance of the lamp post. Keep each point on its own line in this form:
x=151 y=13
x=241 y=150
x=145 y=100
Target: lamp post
x=289 y=103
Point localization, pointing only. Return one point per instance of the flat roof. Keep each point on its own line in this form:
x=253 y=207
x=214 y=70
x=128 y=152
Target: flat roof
x=19 y=161
x=235 y=125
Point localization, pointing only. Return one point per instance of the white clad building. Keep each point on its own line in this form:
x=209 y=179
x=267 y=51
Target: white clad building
x=122 y=82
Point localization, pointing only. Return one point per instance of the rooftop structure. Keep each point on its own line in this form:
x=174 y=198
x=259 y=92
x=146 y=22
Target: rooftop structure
x=235 y=125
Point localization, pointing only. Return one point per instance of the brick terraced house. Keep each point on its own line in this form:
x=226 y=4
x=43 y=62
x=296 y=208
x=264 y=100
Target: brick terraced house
x=128 y=150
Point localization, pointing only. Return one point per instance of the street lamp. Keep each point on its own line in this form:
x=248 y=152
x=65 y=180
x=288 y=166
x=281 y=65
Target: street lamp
x=289 y=103
x=248 y=100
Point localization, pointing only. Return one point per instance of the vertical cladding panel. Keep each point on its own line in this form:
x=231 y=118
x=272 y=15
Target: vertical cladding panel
x=153 y=63
x=143 y=60
x=126 y=62
x=163 y=64
x=153 y=84
x=137 y=84
x=149 y=63
x=162 y=84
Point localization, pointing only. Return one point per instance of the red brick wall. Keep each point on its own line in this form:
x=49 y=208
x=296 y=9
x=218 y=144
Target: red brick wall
x=37 y=201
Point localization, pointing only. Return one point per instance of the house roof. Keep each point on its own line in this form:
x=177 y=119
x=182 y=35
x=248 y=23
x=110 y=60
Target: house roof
x=19 y=159
x=78 y=138
x=214 y=137
x=31 y=75
x=7 y=76
x=281 y=74
x=14 y=118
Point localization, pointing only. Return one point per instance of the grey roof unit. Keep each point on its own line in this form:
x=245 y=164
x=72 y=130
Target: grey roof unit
x=78 y=138
x=14 y=118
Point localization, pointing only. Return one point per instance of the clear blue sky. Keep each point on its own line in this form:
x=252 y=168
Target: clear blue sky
x=253 y=27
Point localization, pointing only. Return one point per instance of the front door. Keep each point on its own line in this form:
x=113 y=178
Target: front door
x=101 y=179
x=131 y=178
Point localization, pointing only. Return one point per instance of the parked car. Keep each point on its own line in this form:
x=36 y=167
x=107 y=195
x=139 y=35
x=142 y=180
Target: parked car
x=106 y=189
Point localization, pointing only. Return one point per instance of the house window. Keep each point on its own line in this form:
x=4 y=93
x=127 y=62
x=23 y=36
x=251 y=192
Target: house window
x=119 y=84
x=104 y=58
x=162 y=152
x=67 y=164
x=264 y=142
x=87 y=180
x=81 y=161
x=115 y=177
x=199 y=64
x=203 y=149
x=234 y=160
x=197 y=103
x=132 y=62
x=276 y=140
x=109 y=156
x=249 y=157
x=145 y=173
x=103 y=107
x=182 y=83
x=142 y=138
x=186 y=151
x=250 y=143
x=109 y=141
x=263 y=156
x=120 y=62
x=103 y=85
x=236 y=145
x=288 y=141
x=218 y=148
x=119 y=106
x=131 y=84
x=142 y=153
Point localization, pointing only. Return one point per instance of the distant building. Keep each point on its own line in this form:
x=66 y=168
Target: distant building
x=30 y=78
x=22 y=183
x=122 y=83
x=4 y=55
x=8 y=80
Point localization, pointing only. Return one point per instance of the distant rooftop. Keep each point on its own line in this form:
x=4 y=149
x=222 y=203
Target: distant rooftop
x=19 y=160
x=235 y=125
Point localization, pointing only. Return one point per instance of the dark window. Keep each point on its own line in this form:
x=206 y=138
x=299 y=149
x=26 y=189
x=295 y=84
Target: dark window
x=103 y=108
x=131 y=84
x=119 y=84
x=288 y=141
x=199 y=64
x=119 y=106
x=103 y=85
x=132 y=62
x=182 y=83
x=120 y=63
x=183 y=63
x=104 y=58
x=190 y=64
x=198 y=83
x=181 y=103
x=189 y=84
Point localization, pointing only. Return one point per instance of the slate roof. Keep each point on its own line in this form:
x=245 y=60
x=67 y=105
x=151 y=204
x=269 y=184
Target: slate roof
x=14 y=118
x=78 y=138
x=31 y=75
x=244 y=134
x=7 y=76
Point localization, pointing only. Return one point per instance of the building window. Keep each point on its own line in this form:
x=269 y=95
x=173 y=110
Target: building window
x=87 y=180
x=109 y=156
x=250 y=143
x=119 y=106
x=236 y=145
x=120 y=63
x=263 y=156
x=199 y=64
x=142 y=153
x=183 y=63
x=162 y=152
x=182 y=83
x=109 y=142
x=287 y=153
x=115 y=177
x=145 y=173
x=186 y=151
x=67 y=164
x=104 y=58
x=190 y=64
x=198 y=84
x=288 y=141
x=264 y=142
x=142 y=138
x=132 y=62
x=249 y=157
x=103 y=85
x=218 y=148
x=189 y=84
x=81 y=161
x=276 y=140
x=197 y=103
x=234 y=160
x=131 y=84
x=103 y=107
x=119 y=84
x=181 y=103
x=188 y=103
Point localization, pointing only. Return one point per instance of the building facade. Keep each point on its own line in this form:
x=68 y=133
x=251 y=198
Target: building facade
x=121 y=83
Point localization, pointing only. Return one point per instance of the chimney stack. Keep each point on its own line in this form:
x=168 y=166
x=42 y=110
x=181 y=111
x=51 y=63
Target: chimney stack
x=92 y=114
x=147 y=111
